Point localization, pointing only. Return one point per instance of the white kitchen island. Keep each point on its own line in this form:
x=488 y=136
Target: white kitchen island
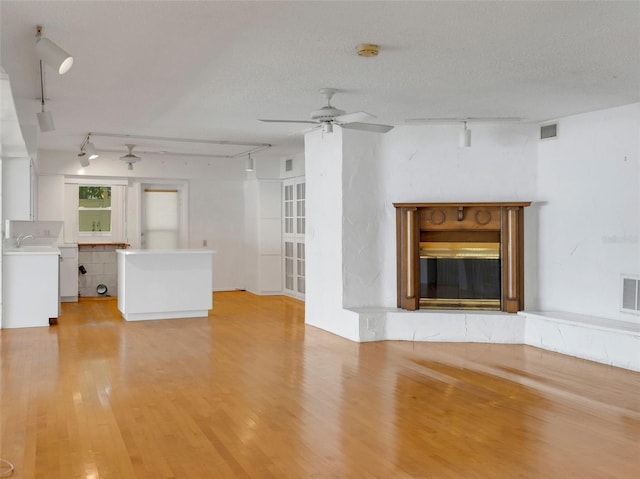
x=163 y=284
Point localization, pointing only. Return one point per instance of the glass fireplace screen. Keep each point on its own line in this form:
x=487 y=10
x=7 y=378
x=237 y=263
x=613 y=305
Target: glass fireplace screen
x=460 y=275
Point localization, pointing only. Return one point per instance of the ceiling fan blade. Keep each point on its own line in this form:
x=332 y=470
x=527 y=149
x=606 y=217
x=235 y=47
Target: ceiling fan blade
x=288 y=121
x=367 y=127
x=307 y=130
x=354 y=117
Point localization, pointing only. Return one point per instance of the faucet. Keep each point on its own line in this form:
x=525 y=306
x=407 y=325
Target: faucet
x=21 y=237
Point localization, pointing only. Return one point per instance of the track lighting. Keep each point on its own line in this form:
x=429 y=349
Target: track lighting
x=465 y=137
x=87 y=151
x=84 y=160
x=249 y=164
x=52 y=54
x=91 y=151
x=45 y=118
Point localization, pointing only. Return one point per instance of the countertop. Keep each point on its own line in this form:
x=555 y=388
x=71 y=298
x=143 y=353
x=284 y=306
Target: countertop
x=32 y=250
x=164 y=251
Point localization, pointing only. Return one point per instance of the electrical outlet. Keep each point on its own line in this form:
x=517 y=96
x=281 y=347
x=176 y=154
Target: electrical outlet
x=204 y=243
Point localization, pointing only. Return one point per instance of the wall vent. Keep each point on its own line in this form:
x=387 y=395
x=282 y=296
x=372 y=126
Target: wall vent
x=288 y=165
x=548 y=131
x=631 y=294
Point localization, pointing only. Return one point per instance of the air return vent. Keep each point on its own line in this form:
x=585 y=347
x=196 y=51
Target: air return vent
x=631 y=294
x=288 y=165
x=548 y=131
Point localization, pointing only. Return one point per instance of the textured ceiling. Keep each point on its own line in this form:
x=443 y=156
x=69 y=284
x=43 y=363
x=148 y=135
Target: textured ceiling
x=209 y=69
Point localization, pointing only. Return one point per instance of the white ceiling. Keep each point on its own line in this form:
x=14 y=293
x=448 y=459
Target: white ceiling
x=210 y=69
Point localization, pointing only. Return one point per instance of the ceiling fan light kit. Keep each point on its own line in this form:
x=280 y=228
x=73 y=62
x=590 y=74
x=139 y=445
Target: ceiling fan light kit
x=328 y=116
x=130 y=159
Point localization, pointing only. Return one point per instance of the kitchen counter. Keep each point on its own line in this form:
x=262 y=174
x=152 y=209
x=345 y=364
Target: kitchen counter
x=30 y=286
x=31 y=250
x=163 y=284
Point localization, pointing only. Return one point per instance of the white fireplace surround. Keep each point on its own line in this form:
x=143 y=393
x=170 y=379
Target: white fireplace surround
x=612 y=342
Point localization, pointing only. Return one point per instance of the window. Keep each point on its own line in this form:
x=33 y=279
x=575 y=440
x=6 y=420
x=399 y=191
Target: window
x=94 y=210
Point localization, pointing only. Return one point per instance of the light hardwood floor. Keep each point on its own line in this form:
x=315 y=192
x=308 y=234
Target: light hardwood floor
x=251 y=392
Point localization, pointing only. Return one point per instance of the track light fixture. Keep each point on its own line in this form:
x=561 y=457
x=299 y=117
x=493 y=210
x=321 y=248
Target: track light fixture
x=465 y=137
x=249 y=164
x=84 y=161
x=45 y=118
x=87 y=151
x=52 y=54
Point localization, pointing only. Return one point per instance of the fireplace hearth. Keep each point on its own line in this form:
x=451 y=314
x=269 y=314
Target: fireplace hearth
x=460 y=256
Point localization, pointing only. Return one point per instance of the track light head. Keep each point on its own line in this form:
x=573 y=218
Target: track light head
x=249 y=164
x=84 y=160
x=91 y=151
x=87 y=150
x=45 y=121
x=52 y=54
x=465 y=137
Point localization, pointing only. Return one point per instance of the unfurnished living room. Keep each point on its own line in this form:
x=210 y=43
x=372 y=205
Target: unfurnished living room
x=320 y=239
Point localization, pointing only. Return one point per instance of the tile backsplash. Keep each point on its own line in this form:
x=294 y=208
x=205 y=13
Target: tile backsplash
x=100 y=264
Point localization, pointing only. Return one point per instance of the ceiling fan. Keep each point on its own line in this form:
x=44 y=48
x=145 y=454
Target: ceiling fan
x=328 y=115
x=130 y=158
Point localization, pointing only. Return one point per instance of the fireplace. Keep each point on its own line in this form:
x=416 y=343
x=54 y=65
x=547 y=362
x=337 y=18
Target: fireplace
x=460 y=275
x=460 y=256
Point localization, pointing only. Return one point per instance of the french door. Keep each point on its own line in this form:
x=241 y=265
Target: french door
x=293 y=236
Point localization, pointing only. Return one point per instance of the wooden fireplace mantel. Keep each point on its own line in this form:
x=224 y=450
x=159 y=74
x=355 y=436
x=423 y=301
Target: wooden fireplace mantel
x=503 y=220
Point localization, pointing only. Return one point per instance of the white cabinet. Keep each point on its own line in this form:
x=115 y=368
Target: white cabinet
x=68 y=273
x=30 y=287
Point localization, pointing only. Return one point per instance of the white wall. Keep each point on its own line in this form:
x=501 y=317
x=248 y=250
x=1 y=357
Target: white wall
x=589 y=224
x=16 y=187
x=422 y=164
x=324 y=235
x=353 y=179
x=581 y=232
x=216 y=199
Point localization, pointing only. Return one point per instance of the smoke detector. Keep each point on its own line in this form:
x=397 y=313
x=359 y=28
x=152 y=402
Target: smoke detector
x=367 y=50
